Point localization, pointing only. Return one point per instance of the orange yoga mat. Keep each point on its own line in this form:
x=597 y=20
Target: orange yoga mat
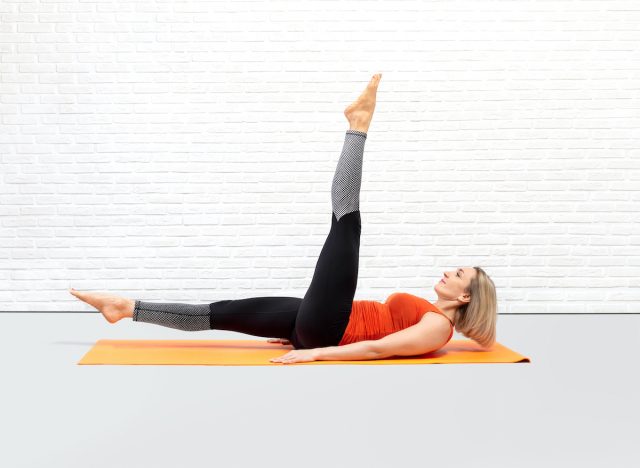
x=258 y=353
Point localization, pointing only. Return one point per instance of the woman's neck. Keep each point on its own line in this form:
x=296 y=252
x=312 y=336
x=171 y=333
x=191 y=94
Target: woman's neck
x=448 y=308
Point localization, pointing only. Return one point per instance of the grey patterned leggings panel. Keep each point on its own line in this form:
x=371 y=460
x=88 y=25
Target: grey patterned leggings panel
x=189 y=317
x=320 y=318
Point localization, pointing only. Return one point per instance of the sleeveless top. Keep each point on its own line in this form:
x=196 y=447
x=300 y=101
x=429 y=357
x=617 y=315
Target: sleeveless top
x=372 y=320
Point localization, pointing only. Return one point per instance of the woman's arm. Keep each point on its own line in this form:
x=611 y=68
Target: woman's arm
x=360 y=350
x=352 y=351
x=429 y=334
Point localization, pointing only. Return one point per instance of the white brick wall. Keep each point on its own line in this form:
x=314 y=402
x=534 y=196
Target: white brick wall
x=184 y=150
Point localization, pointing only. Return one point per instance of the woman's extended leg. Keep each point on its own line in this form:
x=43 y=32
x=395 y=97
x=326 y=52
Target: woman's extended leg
x=269 y=316
x=261 y=316
x=326 y=308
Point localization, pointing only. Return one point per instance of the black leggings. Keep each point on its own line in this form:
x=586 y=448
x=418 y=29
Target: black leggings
x=321 y=317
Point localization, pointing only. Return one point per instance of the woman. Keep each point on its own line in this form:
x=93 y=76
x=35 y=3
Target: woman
x=327 y=324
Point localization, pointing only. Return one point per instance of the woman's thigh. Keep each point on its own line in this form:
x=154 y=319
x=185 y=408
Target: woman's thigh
x=272 y=316
x=326 y=307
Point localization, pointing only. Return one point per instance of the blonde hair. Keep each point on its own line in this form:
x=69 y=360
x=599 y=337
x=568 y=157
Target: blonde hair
x=477 y=319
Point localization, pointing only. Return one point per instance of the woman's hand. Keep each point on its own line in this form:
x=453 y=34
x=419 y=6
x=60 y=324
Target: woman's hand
x=278 y=340
x=297 y=355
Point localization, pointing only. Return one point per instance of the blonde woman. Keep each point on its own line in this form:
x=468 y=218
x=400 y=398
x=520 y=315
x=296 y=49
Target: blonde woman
x=327 y=324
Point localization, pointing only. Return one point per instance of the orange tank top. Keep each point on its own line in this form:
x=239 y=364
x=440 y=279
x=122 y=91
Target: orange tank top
x=371 y=320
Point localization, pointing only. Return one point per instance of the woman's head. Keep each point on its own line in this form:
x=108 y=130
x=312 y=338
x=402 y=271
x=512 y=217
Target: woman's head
x=474 y=291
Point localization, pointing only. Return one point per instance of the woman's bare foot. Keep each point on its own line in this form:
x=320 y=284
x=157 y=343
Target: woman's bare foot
x=112 y=307
x=360 y=112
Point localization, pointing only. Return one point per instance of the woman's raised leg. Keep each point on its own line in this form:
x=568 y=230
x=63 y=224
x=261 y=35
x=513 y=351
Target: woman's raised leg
x=326 y=307
x=324 y=312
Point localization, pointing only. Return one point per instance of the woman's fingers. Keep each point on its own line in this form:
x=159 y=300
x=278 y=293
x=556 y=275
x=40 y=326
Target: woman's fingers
x=278 y=340
x=283 y=357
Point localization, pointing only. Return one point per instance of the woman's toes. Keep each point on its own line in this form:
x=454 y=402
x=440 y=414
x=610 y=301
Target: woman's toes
x=78 y=294
x=111 y=306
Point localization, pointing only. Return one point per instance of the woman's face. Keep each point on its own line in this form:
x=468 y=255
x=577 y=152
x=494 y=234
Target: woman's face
x=454 y=282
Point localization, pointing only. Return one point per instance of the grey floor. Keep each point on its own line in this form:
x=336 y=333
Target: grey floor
x=575 y=405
